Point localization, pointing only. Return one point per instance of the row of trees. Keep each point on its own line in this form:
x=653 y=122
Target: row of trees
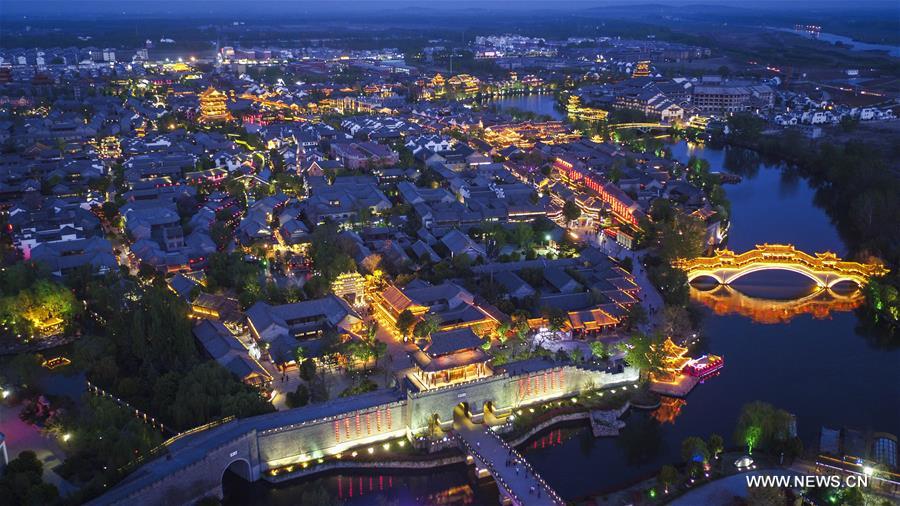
x=696 y=454
x=854 y=183
x=759 y=426
x=145 y=352
x=673 y=235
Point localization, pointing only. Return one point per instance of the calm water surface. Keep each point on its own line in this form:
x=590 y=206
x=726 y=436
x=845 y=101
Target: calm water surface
x=820 y=369
x=538 y=103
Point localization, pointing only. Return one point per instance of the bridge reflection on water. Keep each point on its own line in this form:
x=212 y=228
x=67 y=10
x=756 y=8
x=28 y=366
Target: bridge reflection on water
x=819 y=302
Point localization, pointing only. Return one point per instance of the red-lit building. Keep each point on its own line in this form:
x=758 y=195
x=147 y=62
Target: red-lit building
x=622 y=206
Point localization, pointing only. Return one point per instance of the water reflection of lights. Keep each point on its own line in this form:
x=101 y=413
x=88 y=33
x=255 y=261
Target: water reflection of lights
x=668 y=410
x=724 y=300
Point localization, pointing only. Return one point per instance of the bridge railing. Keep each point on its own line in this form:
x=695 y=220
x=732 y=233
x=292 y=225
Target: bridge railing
x=551 y=494
x=781 y=254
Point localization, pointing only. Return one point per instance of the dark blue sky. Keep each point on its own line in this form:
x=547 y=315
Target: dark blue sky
x=280 y=8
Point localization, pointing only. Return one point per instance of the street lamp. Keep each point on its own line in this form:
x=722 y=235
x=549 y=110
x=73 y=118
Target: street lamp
x=868 y=470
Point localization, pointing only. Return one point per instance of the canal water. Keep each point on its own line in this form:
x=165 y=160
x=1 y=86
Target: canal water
x=819 y=367
x=541 y=103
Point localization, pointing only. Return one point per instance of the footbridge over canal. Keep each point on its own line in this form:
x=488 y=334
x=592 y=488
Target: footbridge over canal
x=825 y=269
x=518 y=482
x=193 y=465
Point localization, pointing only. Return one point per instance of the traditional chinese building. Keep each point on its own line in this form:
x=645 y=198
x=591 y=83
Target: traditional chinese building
x=213 y=106
x=623 y=207
x=451 y=357
x=109 y=149
x=641 y=69
x=452 y=306
x=350 y=286
x=672 y=361
x=577 y=111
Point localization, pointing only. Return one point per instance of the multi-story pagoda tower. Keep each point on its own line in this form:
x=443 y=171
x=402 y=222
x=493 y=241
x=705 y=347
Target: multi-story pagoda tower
x=213 y=106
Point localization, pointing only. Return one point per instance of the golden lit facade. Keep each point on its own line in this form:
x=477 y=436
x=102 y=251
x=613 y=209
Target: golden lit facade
x=213 y=106
x=672 y=360
x=450 y=357
x=580 y=112
x=825 y=269
x=464 y=83
x=699 y=122
x=641 y=69
x=525 y=135
x=109 y=148
x=350 y=286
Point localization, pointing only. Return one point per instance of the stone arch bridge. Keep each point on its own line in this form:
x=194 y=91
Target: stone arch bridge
x=825 y=269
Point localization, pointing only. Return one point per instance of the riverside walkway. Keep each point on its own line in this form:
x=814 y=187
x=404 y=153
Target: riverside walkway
x=515 y=477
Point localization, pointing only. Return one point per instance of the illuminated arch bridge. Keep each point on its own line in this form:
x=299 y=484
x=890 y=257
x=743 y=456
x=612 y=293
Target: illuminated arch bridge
x=825 y=269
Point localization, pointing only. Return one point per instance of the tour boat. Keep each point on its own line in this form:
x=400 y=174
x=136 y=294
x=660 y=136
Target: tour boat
x=704 y=366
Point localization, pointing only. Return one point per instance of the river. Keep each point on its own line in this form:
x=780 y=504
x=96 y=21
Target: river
x=853 y=44
x=818 y=367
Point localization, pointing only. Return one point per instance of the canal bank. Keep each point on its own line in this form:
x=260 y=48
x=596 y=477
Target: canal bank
x=796 y=365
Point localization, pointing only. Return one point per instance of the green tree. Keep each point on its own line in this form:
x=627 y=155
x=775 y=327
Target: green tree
x=405 y=322
x=676 y=321
x=327 y=253
x=359 y=351
x=22 y=482
x=300 y=355
x=427 y=326
x=746 y=127
x=752 y=435
x=209 y=392
x=599 y=350
x=571 y=211
x=761 y=425
x=639 y=351
x=308 y=370
x=318 y=389
x=297 y=398
x=683 y=237
x=221 y=235
x=556 y=318
x=668 y=475
x=523 y=235
x=636 y=315
x=715 y=444
x=694 y=452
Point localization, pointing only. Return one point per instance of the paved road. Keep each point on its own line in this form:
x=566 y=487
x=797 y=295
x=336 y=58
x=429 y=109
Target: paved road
x=651 y=299
x=21 y=436
x=526 y=486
